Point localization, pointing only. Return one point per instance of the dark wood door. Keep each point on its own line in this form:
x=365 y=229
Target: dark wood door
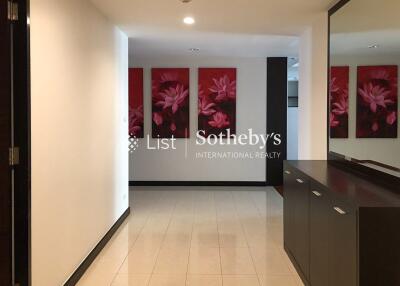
x=343 y=245
x=21 y=140
x=5 y=143
x=301 y=224
x=319 y=235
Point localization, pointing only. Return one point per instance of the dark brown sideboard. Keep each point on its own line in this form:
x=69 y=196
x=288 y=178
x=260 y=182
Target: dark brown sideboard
x=340 y=229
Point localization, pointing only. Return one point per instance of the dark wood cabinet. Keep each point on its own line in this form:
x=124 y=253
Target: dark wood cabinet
x=301 y=222
x=296 y=217
x=319 y=235
x=333 y=223
x=289 y=206
x=342 y=249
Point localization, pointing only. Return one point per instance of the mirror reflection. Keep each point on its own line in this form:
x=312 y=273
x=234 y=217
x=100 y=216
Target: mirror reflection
x=364 y=72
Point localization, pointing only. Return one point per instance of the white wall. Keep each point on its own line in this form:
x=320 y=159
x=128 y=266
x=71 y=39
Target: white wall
x=292 y=133
x=376 y=149
x=313 y=90
x=79 y=126
x=172 y=165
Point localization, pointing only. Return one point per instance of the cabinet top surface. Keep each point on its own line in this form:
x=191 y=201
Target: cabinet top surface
x=346 y=185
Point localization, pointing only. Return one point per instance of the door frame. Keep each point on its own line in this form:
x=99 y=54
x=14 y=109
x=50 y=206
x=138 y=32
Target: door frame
x=22 y=138
x=18 y=24
x=5 y=143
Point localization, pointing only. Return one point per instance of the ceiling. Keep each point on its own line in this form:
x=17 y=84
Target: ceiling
x=360 y=43
x=213 y=44
x=361 y=24
x=283 y=17
x=229 y=27
x=359 y=16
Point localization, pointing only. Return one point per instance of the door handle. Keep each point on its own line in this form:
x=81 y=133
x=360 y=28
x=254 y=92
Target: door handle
x=300 y=181
x=339 y=210
x=287 y=172
x=317 y=194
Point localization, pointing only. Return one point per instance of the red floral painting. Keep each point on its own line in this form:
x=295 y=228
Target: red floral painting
x=339 y=102
x=136 y=102
x=170 y=102
x=217 y=101
x=377 y=102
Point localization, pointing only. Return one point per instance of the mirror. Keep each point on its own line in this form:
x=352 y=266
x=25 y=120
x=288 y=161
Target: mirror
x=364 y=80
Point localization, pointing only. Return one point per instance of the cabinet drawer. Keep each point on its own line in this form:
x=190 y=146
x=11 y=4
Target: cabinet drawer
x=295 y=175
x=343 y=244
x=288 y=207
x=320 y=209
x=296 y=217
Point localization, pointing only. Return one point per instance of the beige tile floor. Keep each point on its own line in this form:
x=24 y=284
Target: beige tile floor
x=197 y=236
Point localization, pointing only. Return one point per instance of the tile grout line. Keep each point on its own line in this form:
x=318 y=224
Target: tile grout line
x=133 y=244
x=248 y=245
x=286 y=263
x=191 y=237
x=123 y=260
x=165 y=234
x=219 y=240
x=258 y=209
x=158 y=252
x=282 y=254
x=241 y=214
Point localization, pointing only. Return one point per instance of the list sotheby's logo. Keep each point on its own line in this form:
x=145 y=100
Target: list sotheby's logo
x=223 y=139
x=245 y=139
x=133 y=143
x=155 y=144
x=248 y=139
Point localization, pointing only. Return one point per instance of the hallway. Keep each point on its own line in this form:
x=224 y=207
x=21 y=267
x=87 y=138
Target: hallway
x=197 y=236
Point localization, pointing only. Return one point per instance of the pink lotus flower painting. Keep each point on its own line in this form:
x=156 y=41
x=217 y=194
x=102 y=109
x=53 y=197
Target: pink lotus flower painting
x=217 y=101
x=377 y=102
x=339 y=102
x=170 y=102
x=136 y=102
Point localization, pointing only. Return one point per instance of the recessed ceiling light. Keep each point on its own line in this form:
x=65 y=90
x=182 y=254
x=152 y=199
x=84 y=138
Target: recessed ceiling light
x=188 y=21
x=186 y=1
x=373 y=47
x=194 y=49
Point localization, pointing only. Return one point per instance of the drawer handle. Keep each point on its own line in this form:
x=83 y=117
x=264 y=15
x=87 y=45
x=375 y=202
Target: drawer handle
x=317 y=194
x=339 y=210
x=300 y=181
x=287 y=172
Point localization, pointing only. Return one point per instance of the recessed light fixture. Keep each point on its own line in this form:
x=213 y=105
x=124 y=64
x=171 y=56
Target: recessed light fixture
x=373 y=46
x=186 y=1
x=195 y=50
x=189 y=20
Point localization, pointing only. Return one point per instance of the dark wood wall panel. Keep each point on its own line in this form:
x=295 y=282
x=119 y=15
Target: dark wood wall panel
x=5 y=136
x=22 y=140
x=277 y=85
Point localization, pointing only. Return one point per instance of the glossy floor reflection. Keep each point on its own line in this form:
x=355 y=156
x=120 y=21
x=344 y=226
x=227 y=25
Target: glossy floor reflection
x=197 y=236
